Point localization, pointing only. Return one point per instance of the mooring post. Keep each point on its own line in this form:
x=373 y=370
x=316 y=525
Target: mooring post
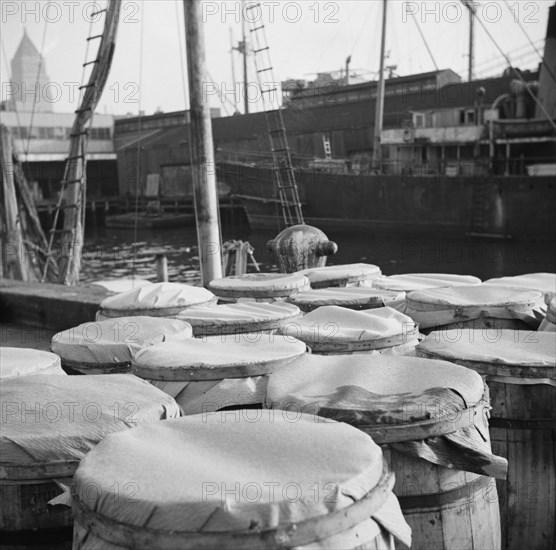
x=301 y=247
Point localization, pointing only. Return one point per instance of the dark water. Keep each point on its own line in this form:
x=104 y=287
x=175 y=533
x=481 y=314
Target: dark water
x=114 y=253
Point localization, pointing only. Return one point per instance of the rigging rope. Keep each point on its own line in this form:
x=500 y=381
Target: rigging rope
x=532 y=44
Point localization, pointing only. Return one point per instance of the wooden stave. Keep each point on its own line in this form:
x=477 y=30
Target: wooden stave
x=537 y=438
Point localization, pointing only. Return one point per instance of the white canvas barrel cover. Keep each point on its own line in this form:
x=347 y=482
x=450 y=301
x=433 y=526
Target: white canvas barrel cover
x=545 y=282
x=210 y=373
x=438 y=307
x=341 y=330
x=350 y=297
x=340 y=275
x=433 y=410
x=259 y=285
x=420 y=281
x=205 y=479
x=50 y=422
x=157 y=300
x=509 y=356
x=118 y=286
x=239 y=317
x=115 y=341
x=26 y=361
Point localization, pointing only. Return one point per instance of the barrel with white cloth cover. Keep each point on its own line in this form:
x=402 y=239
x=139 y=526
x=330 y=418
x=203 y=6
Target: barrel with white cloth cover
x=333 y=329
x=341 y=275
x=121 y=285
x=49 y=423
x=229 y=481
x=520 y=370
x=420 y=281
x=26 y=361
x=478 y=306
x=156 y=300
x=430 y=419
x=545 y=282
x=239 y=317
x=217 y=371
x=259 y=286
x=106 y=347
x=549 y=322
x=350 y=297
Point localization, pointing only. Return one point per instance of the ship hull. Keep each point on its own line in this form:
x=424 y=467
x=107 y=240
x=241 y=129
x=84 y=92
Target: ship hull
x=497 y=206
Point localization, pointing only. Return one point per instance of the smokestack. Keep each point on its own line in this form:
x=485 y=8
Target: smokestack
x=547 y=86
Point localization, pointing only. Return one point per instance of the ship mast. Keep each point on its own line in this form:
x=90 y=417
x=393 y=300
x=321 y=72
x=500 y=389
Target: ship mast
x=471 y=40
x=202 y=149
x=379 y=107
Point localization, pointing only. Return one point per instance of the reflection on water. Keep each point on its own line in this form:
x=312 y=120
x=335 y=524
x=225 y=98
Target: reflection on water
x=115 y=253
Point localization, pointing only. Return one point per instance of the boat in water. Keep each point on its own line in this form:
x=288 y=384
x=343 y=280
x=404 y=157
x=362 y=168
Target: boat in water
x=474 y=158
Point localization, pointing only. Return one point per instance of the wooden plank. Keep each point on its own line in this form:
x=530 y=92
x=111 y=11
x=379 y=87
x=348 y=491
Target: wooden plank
x=49 y=306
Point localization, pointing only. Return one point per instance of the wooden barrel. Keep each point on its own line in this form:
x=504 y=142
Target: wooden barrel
x=156 y=300
x=49 y=423
x=420 y=281
x=520 y=370
x=350 y=297
x=239 y=318
x=259 y=286
x=429 y=418
x=338 y=330
x=106 y=347
x=549 y=322
x=211 y=373
x=25 y=361
x=231 y=481
x=341 y=275
x=478 y=306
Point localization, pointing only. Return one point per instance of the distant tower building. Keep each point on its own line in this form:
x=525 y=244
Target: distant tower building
x=29 y=80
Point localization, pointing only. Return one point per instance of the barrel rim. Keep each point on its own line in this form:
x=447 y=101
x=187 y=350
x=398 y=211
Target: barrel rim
x=286 y=536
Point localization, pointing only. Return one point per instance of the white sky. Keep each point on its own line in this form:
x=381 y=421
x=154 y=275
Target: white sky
x=305 y=36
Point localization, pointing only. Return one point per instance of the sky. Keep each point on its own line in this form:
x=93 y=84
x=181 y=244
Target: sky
x=305 y=37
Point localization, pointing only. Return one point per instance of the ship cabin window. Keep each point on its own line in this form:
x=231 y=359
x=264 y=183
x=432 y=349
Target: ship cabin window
x=470 y=116
x=462 y=116
x=419 y=120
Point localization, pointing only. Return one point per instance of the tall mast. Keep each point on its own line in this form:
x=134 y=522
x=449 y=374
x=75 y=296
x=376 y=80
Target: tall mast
x=471 y=41
x=244 y=52
x=232 y=49
x=379 y=111
x=202 y=150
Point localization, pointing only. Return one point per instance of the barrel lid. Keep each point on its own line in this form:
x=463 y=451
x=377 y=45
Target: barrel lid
x=417 y=281
x=502 y=352
x=50 y=422
x=211 y=474
x=121 y=285
x=545 y=282
x=339 y=275
x=259 y=285
x=166 y=298
x=238 y=317
x=326 y=327
x=349 y=297
x=116 y=340
x=216 y=357
x=474 y=296
x=24 y=361
x=388 y=389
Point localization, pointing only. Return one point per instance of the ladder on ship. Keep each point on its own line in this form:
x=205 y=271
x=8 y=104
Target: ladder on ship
x=73 y=192
x=286 y=185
